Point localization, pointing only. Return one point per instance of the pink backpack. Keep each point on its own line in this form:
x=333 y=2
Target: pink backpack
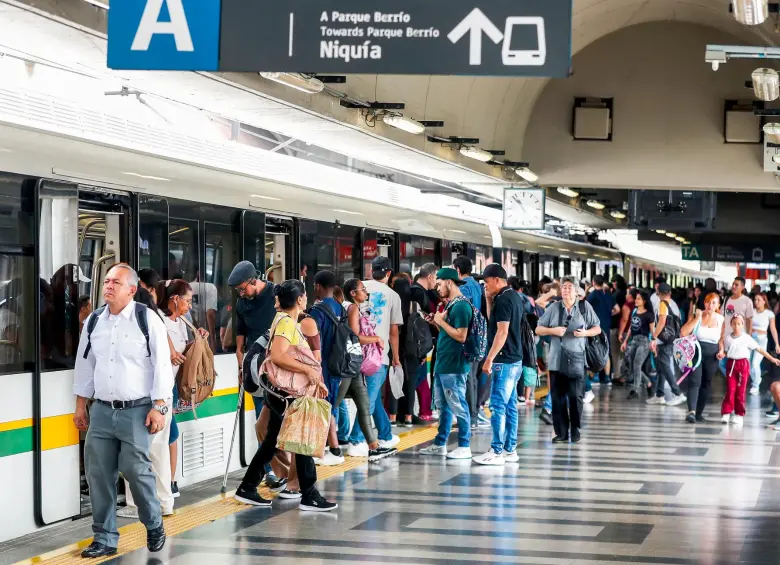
x=372 y=354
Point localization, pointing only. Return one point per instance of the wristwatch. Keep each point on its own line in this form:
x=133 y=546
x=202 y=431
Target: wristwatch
x=161 y=408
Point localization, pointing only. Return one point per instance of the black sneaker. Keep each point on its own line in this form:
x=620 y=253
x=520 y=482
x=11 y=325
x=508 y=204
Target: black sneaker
x=700 y=418
x=632 y=395
x=561 y=439
x=155 y=539
x=276 y=486
x=380 y=453
x=691 y=418
x=251 y=497
x=546 y=417
x=575 y=437
x=316 y=503
x=175 y=490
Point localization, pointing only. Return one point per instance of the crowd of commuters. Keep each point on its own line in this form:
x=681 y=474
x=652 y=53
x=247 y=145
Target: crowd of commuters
x=485 y=344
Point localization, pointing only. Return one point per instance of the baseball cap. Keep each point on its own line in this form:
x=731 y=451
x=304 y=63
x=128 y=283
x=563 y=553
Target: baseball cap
x=381 y=265
x=664 y=288
x=494 y=270
x=449 y=274
x=242 y=272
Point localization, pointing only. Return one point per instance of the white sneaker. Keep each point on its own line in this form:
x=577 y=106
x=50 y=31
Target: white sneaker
x=725 y=419
x=511 y=456
x=656 y=400
x=357 y=450
x=754 y=391
x=679 y=399
x=589 y=396
x=489 y=458
x=329 y=459
x=393 y=442
x=460 y=453
x=736 y=420
x=434 y=450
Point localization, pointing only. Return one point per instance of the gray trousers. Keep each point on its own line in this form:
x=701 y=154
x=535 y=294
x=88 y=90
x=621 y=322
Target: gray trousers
x=637 y=352
x=118 y=441
x=472 y=390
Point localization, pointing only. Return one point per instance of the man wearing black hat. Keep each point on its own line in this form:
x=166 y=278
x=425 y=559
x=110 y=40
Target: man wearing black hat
x=504 y=362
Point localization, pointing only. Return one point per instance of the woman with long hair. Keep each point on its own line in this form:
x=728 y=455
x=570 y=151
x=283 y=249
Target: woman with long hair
x=706 y=325
x=763 y=322
x=291 y=295
x=636 y=344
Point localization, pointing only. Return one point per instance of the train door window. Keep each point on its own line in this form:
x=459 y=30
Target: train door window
x=547 y=266
x=17 y=274
x=414 y=252
x=278 y=249
x=481 y=256
x=253 y=237
x=450 y=250
x=183 y=249
x=509 y=261
x=317 y=243
x=348 y=257
x=566 y=266
x=212 y=297
x=153 y=234
x=575 y=267
x=370 y=251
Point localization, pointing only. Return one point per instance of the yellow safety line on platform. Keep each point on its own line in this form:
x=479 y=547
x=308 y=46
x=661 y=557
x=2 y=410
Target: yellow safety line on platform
x=133 y=536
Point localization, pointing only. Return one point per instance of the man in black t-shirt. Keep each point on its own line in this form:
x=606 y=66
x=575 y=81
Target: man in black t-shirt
x=505 y=362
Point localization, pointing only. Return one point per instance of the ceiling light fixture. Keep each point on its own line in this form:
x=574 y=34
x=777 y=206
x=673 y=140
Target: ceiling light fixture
x=456 y=231
x=296 y=81
x=766 y=84
x=595 y=204
x=671 y=234
x=772 y=132
x=680 y=238
x=527 y=174
x=751 y=12
x=476 y=153
x=147 y=177
x=566 y=191
x=402 y=122
x=264 y=197
x=350 y=212
x=617 y=214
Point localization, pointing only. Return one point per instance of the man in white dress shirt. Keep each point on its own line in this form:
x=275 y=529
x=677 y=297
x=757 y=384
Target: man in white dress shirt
x=131 y=381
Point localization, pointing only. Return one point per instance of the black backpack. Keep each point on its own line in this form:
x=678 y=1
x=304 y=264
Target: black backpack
x=528 y=342
x=253 y=360
x=140 y=318
x=597 y=352
x=419 y=340
x=346 y=354
x=671 y=330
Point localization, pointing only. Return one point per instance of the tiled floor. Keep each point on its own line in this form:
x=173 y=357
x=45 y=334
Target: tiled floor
x=642 y=487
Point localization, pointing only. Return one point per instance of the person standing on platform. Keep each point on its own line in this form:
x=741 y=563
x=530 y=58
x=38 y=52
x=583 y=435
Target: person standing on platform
x=472 y=290
x=131 y=380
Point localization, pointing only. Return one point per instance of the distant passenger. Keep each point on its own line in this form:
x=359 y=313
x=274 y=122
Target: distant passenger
x=472 y=290
x=132 y=389
x=605 y=306
x=85 y=309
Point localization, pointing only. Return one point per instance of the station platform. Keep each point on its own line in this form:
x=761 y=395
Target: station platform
x=643 y=486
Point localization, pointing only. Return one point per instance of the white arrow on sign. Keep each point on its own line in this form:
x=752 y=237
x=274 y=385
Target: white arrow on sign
x=476 y=23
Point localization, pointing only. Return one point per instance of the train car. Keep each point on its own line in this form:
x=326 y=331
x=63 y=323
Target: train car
x=73 y=202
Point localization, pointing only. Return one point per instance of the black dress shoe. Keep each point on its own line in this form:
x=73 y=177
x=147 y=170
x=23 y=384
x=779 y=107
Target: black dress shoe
x=155 y=539
x=561 y=439
x=97 y=549
x=575 y=437
x=700 y=418
x=546 y=417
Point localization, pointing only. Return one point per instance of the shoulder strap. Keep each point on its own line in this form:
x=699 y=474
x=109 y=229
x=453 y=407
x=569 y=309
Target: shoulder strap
x=91 y=323
x=327 y=311
x=143 y=324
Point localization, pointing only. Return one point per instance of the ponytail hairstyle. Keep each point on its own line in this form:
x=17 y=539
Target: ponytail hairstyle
x=289 y=292
x=169 y=289
x=350 y=286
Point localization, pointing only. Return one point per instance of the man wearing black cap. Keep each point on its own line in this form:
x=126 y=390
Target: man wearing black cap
x=505 y=362
x=385 y=312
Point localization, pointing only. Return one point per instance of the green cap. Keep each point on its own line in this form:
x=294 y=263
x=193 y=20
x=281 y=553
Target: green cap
x=449 y=274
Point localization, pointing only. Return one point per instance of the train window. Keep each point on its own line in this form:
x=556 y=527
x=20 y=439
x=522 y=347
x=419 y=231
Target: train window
x=450 y=250
x=17 y=274
x=414 y=252
x=183 y=249
x=481 y=256
x=253 y=230
x=278 y=249
x=317 y=242
x=153 y=233
x=509 y=261
x=212 y=298
x=348 y=261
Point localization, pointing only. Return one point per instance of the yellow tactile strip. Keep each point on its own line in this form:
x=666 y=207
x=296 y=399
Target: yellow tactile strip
x=133 y=536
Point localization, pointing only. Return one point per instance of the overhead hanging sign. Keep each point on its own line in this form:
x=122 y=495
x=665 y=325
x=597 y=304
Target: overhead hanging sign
x=440 y=37
x=731 y=253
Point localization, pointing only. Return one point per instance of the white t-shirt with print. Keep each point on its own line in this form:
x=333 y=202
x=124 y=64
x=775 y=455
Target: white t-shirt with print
x=177 y=331
x=204 y=298
x=384 y=306
x=740 y=347
x=761 y=320
x=742 y=305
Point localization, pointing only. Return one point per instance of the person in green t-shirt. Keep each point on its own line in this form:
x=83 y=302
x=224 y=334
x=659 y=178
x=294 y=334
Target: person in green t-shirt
x=452 y=368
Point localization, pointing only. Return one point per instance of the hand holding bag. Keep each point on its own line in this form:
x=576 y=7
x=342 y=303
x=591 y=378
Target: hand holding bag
x=305 y=427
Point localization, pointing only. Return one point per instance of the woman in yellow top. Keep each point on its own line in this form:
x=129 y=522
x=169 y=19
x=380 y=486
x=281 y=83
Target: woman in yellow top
x=291 y=295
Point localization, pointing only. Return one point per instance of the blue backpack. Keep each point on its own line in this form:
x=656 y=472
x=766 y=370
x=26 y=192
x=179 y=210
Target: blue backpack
x=475 y=346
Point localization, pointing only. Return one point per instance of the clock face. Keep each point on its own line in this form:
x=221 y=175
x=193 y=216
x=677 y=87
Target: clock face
x=524 y=209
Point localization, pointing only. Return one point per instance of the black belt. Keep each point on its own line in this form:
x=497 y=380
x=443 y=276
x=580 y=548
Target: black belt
x=122 y=404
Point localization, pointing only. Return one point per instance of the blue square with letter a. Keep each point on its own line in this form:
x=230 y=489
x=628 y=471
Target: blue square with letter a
x=175 y=35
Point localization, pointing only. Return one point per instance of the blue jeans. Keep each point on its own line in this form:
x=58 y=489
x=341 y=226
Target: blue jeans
x=449 y=393
x=342 y=421
x=503 y=406
x=384 y=430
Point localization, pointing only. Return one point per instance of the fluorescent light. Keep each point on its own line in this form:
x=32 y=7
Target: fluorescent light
x=476 y=153
x=671 y=234
x=660 y=231
x=97 y=4
x=147 y=177
x=456 y=231
x=350 y=212
x=264 y=197
x=680 y=238
x=751 y=12
x=766 y=84
x=595 y=204
x=563 y=249
x=4 y=150
x=617 y=214
x=520 y=241
x=308 y=85
x=581 y=252
x=404 y=123
x=527 y=174
x=547 y=246
x=566 y=191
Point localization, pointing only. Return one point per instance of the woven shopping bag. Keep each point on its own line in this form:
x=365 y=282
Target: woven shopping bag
x=305 y=427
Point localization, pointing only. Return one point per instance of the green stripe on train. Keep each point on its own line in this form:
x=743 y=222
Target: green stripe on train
x=13 y=442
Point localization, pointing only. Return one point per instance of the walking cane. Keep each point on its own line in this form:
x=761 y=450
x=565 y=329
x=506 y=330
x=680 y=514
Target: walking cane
x=235 y=426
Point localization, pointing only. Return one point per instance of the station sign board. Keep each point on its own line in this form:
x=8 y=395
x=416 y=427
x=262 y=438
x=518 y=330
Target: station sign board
x=440 y=37
x=731 y=253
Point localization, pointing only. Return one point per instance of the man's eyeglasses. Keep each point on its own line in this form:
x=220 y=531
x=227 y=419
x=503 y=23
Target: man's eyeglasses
x=242 y=289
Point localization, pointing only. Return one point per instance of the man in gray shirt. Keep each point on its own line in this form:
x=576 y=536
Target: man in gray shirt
x=569 y=324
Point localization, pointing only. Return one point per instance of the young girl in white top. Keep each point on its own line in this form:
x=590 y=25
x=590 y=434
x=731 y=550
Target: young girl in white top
x=739 y=346
x=763 y=323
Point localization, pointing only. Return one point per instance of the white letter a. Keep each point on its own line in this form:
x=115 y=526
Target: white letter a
x=150 y=26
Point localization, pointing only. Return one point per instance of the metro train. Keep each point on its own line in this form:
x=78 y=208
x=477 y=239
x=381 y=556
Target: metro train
x=71 y=207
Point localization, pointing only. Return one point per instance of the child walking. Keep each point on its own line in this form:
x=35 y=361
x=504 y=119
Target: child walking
x=738 y=348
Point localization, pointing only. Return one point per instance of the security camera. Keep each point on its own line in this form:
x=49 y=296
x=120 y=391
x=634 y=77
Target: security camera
x=715 y=65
